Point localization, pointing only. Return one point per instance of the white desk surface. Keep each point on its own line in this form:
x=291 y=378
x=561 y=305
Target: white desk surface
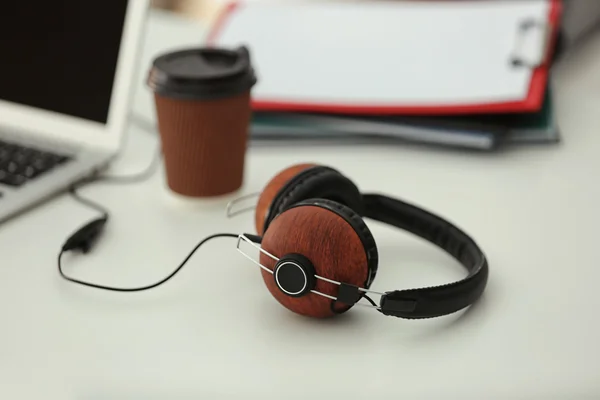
x=215 y=331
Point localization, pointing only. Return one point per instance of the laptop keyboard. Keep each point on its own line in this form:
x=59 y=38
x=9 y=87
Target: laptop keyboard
x=20 y=164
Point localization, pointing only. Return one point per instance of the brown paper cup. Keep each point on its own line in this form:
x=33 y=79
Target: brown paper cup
x=204 y=143
x=202 y=99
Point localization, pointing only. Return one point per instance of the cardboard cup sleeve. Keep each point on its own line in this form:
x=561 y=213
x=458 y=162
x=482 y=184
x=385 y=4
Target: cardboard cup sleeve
x=203 y=108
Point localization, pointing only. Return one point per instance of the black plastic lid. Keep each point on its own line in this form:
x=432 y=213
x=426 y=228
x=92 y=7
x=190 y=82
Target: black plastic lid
x=202 y=73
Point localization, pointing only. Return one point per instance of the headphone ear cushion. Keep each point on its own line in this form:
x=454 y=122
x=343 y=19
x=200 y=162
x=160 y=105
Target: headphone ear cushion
x=272 y=188
x=316 y=182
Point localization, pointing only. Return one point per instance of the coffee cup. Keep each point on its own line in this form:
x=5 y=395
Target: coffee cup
x=203 y=108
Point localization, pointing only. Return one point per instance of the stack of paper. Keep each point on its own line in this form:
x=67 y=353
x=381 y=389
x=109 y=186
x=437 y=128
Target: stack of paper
x=463 y=73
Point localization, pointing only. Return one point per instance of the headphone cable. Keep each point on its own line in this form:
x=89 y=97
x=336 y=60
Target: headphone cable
x=84 y=238
x=141 y=288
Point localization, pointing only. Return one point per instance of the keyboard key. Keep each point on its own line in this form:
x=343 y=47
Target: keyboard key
x=30 y=172
x=12 y=167
x=20 y=157
x=42 y=164
x=19 y=164
x=12 y=180
x=4 y=154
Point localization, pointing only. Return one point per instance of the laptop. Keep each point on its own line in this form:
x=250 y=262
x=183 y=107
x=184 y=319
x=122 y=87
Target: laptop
x=67 y=70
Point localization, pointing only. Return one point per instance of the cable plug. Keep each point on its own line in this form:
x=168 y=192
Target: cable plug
x=253 y=238
x=85 y=237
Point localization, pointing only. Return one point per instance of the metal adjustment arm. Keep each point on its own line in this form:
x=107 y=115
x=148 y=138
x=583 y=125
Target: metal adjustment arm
x=348 y=294
x=231 y=213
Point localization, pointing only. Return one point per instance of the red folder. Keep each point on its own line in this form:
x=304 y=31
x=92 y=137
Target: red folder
x=530 y=103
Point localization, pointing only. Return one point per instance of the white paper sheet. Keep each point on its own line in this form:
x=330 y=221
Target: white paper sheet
x=397 y=53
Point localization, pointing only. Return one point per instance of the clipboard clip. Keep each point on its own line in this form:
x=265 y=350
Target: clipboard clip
x=532 y=44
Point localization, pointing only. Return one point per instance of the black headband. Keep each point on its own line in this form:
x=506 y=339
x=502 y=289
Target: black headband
x=438 y=300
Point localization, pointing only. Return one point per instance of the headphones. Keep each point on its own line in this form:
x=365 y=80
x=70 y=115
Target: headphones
x=318 y=258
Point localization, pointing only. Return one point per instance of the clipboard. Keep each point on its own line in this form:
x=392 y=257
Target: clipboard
x=395 y=58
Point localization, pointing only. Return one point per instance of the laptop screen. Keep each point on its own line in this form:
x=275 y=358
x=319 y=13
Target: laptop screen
x=61 y=56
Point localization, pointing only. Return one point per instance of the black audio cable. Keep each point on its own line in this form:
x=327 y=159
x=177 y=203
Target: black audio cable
x=134 y=289
x=85 y=237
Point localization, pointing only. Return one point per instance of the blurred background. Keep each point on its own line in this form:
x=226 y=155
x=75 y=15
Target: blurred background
x=201 y=9
x=579 y=17
x=581 y=10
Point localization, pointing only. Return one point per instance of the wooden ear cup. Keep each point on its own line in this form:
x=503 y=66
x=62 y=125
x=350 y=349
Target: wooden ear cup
x=302 y=182
x=271 y=190
x=332 y=248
